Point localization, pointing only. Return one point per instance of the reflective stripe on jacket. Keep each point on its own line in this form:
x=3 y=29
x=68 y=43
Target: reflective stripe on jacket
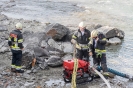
x=99 y=46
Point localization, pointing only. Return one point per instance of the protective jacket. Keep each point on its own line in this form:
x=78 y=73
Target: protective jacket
x=99 y=46
x=82 y=39
x=15 y=40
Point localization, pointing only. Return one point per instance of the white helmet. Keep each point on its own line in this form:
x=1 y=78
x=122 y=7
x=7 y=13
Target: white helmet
x=18 y=26
x=81 y=24
x=94 y=33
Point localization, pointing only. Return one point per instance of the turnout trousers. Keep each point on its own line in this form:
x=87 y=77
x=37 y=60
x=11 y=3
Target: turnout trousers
x=16 y=58
x=101 y=61
x=82 y=54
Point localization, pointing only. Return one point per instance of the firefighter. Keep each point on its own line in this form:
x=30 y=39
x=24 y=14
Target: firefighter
x=15 y=42
x=97 y=50
x=81 y=39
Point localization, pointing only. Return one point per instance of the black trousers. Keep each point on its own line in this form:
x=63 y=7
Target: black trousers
x=101 y=61
x=80 y=54
x=16 y=57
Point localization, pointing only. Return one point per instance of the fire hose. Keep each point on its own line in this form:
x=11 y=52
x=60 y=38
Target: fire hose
x=73 y=81
x=107 y=83
x=117 y=73
x=74 y=73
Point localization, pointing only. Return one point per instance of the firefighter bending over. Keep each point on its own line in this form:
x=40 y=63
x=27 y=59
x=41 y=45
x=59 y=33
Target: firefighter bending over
x=15 y=42
x=97 y=50
x=81 y=39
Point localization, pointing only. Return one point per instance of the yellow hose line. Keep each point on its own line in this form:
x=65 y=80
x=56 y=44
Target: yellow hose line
x=74 y=73
x=73 y=81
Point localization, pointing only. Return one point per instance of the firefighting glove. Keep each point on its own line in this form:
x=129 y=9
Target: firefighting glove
x=74 y=41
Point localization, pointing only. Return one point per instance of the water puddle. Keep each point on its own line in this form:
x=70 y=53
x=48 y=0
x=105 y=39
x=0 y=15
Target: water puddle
x=56 y=83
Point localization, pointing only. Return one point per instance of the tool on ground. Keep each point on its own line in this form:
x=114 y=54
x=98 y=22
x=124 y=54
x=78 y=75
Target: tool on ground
x=34 y=59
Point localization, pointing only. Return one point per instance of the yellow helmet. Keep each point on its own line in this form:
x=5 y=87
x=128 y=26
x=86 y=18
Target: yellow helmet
x=94 y=33
x=18 y=26
x=81 y=24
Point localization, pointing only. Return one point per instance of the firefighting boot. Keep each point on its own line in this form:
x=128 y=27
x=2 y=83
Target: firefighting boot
x=105 y=74
x=20 y=71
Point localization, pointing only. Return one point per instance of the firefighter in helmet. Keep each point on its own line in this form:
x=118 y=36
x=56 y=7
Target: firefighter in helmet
x=97 y=49
x=81 y=39
x=15 y=42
